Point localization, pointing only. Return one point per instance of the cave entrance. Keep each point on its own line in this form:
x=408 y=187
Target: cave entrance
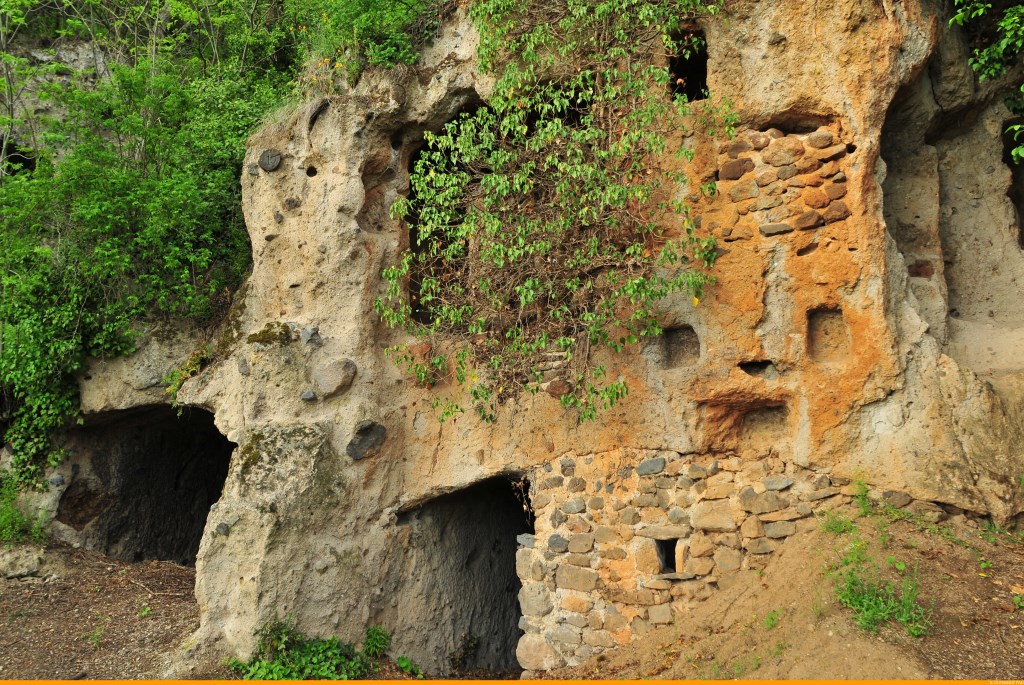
x=463 y=560
x=688 y=67
x=143 y=483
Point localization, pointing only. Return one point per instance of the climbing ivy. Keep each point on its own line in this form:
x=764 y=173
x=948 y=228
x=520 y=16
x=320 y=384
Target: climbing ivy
x=997 y=37
x=547 y=224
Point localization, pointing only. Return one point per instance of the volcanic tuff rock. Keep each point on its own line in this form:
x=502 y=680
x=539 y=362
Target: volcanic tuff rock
x=827 y=346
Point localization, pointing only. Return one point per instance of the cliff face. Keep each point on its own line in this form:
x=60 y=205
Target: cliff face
x=864 y=327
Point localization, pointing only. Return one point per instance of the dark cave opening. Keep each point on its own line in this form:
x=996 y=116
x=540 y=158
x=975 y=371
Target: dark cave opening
x=688 y=67
x=15 y=159
x=147 y=483
x=469 y=566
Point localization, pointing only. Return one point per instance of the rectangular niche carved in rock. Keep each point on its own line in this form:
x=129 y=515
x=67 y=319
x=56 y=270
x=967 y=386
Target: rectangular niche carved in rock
x=765 y=424
x=669 y=553
x=680 y=347
x=828 y=335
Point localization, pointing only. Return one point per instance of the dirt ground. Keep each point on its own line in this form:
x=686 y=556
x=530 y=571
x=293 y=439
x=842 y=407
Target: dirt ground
x=87 y=616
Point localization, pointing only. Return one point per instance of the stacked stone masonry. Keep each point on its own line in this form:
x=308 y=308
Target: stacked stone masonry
x=629 y=540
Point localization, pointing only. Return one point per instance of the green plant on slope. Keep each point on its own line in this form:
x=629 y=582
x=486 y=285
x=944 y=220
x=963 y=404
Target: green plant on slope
x=875 y=601
x=15 y=524
x=544 y=224
x=284 y=653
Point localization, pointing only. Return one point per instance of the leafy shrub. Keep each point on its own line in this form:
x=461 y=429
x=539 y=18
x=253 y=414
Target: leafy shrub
x=15 y=524
x=539 y=220
x=284 y=653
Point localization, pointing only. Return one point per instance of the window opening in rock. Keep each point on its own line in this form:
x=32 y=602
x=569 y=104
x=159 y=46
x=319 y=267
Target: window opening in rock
x=680 y=346
x=760 y=369
x=667 y=555
x=828 y=335
x=688 y=67
x=146 y=482
x=462 y=558
x=1016 y=191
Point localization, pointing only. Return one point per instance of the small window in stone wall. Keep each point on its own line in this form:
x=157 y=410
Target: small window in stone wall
x=828 y=335
x=680 y=347
x=688 y=67
x=667 y=555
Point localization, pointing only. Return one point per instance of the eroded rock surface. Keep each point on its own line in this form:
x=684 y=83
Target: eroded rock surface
x=863 y=328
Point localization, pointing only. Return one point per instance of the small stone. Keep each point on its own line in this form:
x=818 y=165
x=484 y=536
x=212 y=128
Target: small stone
x=752 y=527
x=664 y=532
x=243 y=366
x=575 y=578
x=744 y=190
x=779 y=529
x=738 y=147
x=598 y=638
x=759 y=546
x=650 y=467
x=896 y=499
x=613 y=553
x=629 y=516
x=699 y=566
x=270 y=237
x=311 y=336
x=596 y=503
x=729 y=540
x=658 y=584
x=820 y=139
x=575 y=506
x=535 y=599
x=222 y=529
x=766 y=176
x=835 y=190
x=696 y=471
x=557 y=543
x=535 y=654
x=577 y=604
x=368 y=438
x=701 y=545
x=604 y=535
x=678 y=516
x=815 y=198
x=735 y=169
x=837 y=211
x=774 y=229
x=783 y=151
x=787 y=172
x=839 y=177
x=576 y=485
x=766 y=202
x=807 y=165
x=760 y=503
x=581 y=543
x=334 y=377
x=576 y=620
x=57 y=480
x=777 y=482
x=830 y=153
x=821 y=494
x=716 y=515
x=557 y=518
x=278 y=217
x=759 y=140
x=660 y=614
x=578 y=560
x=270 y=160
x=720 y=491
x=307 y=396
x=808 y=220
x=645 y=501
x=527 y=540
x=728 y=560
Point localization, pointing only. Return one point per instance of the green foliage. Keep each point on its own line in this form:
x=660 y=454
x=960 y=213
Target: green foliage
x=875 y=601
x=15 y=525
x=193 y=365
x=836 y=523
x=544 y=224
x=376 y=643
x=284 y=653
x=344 y=37
x=998 y=41
x=409 y=667
x=772 y=619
